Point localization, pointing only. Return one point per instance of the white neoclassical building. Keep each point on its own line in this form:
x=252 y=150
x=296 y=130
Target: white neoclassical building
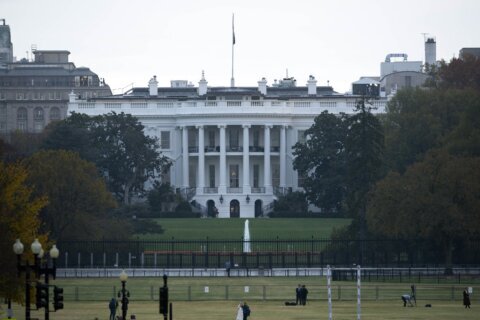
x=231 y=147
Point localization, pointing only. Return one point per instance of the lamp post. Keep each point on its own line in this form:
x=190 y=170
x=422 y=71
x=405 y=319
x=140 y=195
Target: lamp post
x=39 y=268
x=124 y=294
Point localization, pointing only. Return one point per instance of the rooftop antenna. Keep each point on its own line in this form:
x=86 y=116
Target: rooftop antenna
x=424 y=36
x=232 y=81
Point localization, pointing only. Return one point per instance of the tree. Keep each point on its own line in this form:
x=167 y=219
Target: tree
x=435 y=199
x=19 y=210
x=160 y=195
x=116 y=143
x=129 y=158
x=322 y=161
x=293 y=204
x=364 y=160
x=79 y=201
x=73 y=133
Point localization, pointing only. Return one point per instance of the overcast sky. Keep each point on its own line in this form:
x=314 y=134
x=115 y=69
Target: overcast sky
x=129 y=41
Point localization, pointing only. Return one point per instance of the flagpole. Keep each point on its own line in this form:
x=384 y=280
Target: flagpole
x=232 y=81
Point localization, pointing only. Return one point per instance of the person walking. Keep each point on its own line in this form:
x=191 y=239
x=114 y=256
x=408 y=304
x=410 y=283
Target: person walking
x=239 y=312
x=246 y=310
x=466 y=298
x=113 y=308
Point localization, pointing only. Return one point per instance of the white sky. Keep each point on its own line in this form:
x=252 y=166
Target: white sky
x=129 y=41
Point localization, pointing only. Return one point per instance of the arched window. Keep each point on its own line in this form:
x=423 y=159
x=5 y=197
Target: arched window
x=38 y=114
x=54 y=114
x=22 y=118
x=38 y=119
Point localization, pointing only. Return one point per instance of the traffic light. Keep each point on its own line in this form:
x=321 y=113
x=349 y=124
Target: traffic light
x=41 y=295
x=57 y=298
x=164 y=300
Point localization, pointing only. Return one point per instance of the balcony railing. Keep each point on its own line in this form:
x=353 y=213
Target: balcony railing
x=258 y=190
x=256 y=149
x=193 y=149
x=234 y=149
x=234 y=190
x=210 y=190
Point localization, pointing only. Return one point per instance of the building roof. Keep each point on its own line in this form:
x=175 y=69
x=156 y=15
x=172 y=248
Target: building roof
x=228 y=92
x=39 y=70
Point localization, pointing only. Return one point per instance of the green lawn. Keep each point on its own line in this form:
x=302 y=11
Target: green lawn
x=232 y=229
x=271 y=310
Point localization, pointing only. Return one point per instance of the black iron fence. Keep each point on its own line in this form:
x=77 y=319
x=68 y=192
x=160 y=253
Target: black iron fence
x=275 y=253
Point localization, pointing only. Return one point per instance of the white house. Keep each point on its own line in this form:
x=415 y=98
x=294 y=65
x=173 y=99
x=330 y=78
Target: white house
x=231 y=147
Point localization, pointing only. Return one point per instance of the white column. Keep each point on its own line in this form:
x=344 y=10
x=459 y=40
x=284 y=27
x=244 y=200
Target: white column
x=246 y=158
x=185 y=156
x=222 y=187
x=267 y=177
x=283 y=156
x=201 y=160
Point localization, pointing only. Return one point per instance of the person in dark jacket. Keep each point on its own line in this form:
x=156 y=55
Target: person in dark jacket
x=246 y=310
x=113 y=308
x=298 y=294
x=303 y=295
x=466 y=298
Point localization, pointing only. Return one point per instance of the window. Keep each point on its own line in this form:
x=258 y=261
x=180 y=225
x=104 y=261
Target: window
x=38 y=114
x=276 y=175
x=192 y=140
x=22 y=118
x=2 y=96
x=211 y=176
x=234 y=181
x=301 y=180
x=256 y=175
x=54 y=114
x=211 y=138
x=233 y=138
x=192 y=170
x=256 y=138
x=165 y=140
x=301 y=136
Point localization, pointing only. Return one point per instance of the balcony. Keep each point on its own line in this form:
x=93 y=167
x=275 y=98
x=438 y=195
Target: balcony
x=234 y=149
x=210 y=190
x=256 y=149
x=234 y=190
x=258 y=189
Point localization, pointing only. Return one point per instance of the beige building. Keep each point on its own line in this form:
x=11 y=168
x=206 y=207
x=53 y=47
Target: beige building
x=35 y=92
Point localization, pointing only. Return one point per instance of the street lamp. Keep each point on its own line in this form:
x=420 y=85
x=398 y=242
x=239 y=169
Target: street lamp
x=40 y=269
x=124 y=294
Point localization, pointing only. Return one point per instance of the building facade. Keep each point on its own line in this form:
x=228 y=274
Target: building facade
x=34 y=93
x=231 y=147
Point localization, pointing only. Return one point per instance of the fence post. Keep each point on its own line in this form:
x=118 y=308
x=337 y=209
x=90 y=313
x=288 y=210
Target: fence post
x=339 y=293
x=79 y=259
x=151 y=292
x=91 y=260
x=114 y=291
x=189 y=293
x=226 y=292
x=453 y=293
x=376 y=292
x=76 y=293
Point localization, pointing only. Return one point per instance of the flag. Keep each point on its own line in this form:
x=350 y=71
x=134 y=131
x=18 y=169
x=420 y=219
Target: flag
x=233 y=29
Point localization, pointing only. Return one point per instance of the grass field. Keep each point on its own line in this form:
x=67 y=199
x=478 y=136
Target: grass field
x=379 y=300
x=232 y=229
x=271 y=310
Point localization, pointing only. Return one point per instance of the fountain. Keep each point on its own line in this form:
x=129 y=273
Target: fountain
x=246 y=238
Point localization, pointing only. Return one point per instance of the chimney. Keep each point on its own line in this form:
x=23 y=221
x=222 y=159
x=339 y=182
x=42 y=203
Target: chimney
x=312 y=85
x=202 y=85
x=262 y=86
x=430 y=51
x=153 y=86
